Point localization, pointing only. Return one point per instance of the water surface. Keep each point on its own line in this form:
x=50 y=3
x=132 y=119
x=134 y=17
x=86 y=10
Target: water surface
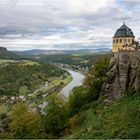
x=78 y=79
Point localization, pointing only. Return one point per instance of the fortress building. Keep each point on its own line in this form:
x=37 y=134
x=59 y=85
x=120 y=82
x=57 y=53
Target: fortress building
x=124 y=39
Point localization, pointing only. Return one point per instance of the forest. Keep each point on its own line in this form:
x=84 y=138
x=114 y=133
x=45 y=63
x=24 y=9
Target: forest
x=83 y=115
x=24 y=77
x=75 y=61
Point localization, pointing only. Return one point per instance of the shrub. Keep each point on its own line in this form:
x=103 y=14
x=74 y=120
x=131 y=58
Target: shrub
x=130 y=91
x=26 y=124
x=96 y=77
x=56 y=115
x=77 y=99
x=81 y=97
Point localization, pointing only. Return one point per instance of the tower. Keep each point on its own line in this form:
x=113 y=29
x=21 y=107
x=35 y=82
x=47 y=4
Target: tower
x=123 y=37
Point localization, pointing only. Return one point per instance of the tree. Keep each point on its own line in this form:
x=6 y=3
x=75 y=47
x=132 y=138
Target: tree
x=97 y=76
x=56 y=114
x=82 y=96
x=26 y=124
x=77 y=99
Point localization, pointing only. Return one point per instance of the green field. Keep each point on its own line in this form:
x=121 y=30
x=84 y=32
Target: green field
x=31 y=63
x=3 y=61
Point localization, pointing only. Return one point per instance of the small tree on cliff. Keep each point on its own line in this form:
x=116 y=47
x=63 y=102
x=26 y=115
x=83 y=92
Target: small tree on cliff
x=97 y=76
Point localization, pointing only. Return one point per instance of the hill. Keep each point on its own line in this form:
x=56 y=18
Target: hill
x=120 y=120
x=29 y=52
x=25 y=76
x=107 y=106
x=5 y=54
x=50 y=52
x=95 y=110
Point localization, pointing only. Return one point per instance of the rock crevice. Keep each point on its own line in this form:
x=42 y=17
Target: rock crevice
x=124 y=72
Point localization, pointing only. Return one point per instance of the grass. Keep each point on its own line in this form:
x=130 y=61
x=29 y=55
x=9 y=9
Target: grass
x=23 y=63
x=3 y=109
x=29 y=63
x=23 y=90
x=56 y=81
x=76 y=55
x=120 y=121
x=3 y=61
x=67 y=80
x=55 y=84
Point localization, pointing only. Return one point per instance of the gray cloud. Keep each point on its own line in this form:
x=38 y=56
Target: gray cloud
x=52 y=22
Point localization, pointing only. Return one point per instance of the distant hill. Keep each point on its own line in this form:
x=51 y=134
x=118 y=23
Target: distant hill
x=5 y=54
x=30 y=52
x=49 y=52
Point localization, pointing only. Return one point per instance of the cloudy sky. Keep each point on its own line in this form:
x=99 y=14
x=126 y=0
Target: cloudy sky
x=65 y=24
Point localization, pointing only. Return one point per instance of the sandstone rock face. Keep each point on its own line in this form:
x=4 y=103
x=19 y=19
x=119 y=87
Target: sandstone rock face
x=124 y=72
x=3 y=50
x=5 y=54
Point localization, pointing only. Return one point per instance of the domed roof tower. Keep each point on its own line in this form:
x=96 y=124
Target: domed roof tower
x=124 y=31
x=123 y=36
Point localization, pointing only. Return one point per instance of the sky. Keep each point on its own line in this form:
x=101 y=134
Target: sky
x=65 y=24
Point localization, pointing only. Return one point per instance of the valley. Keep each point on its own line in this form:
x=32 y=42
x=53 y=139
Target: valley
x=28 y=79
x=32 y=81
x=69 y=69
x=64 y=96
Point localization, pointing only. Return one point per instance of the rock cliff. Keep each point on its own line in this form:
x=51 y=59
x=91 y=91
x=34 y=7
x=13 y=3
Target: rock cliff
x=5 y=54
x=124 y=73
x=3 y=50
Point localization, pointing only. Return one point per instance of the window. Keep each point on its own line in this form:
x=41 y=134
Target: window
x=116 y=40
x=113 y=40
x=120 y=40
x=124 y=40
x=129 y=40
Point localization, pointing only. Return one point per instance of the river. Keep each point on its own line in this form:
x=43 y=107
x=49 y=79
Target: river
x=77 y=80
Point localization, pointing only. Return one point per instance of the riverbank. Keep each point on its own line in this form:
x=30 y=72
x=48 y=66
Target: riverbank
x=78 y=79
x=53 y=87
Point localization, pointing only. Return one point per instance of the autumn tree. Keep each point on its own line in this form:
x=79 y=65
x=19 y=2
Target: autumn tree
x=26 y=124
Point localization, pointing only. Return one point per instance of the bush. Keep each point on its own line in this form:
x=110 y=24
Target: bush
x=56 y=115
x=130 y=91
x=96 y=77
x=81 y=96
x=25 y=124
x=134 y=133
x=77 y=99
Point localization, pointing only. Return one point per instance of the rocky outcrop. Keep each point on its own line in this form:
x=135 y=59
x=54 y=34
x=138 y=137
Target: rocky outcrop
x=124 y=73
x=5 y=54
x=3 y=50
